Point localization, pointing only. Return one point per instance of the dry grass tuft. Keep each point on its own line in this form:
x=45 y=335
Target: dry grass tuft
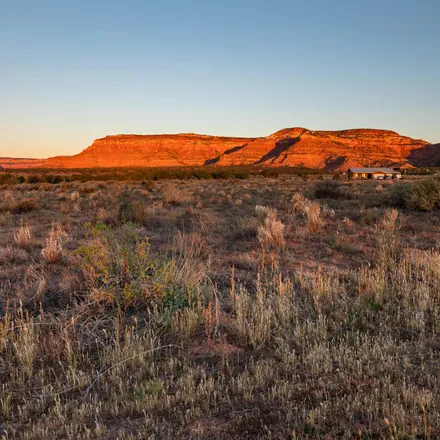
x=271 y=233
x=190 y=259
x=23 y=237
x=298 y=203
x=387 y=239
x=314 y=217
x=53 y=249
x=389 y=220
x=174 y=195
x=312 y=211
x=9 y=200
x=75 y=198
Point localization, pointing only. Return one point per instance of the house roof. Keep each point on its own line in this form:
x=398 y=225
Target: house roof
x=373 y=170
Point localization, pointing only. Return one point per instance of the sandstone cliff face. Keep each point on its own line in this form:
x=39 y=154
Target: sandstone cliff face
x=330 y=150
x=148 y=151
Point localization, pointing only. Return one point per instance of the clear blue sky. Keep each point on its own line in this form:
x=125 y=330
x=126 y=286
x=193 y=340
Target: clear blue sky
x=73 y=71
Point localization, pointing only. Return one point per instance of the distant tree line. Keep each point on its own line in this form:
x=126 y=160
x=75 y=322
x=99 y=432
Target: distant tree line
x=151 y=174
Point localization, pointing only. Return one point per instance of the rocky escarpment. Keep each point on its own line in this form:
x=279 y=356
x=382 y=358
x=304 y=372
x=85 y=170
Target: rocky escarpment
x=149 y=151
x=330 y=150
x=333 y=149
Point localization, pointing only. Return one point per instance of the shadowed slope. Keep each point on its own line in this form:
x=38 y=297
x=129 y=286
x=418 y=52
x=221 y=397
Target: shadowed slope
x=429 y=155
x=331 y=149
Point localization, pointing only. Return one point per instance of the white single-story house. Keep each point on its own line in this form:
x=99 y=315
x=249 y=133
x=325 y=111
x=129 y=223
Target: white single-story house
x=373 y=173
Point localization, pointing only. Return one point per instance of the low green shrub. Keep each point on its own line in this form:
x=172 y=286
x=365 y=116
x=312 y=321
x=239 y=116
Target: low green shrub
x=331 y=189
x=53 y=179
x=425 y=195
x=9 y=179
x=126 y=211
x=398 y=195
x=370 y=217
x=33 y=179
x=123 y=271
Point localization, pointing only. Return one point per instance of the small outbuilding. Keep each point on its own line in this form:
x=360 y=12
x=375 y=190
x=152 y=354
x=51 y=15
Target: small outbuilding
x=373 y=173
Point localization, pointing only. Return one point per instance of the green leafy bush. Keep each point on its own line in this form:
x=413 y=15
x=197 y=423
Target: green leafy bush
x=425 y=195
x=124 y=272
x=119 y=263
x=8 y=179
x=398 y=195
x=130 y=211
x=53 y=179
x=331 y=189
x=126 y=211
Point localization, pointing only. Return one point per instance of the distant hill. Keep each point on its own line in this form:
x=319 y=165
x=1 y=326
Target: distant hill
x=8 y=162
x=331 y=150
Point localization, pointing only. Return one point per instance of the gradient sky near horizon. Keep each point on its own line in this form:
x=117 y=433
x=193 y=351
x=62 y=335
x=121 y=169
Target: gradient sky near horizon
x=74 y=71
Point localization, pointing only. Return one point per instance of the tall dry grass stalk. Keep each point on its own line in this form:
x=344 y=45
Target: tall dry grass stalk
x=75 y=198
x=387 y=238
x=271 y=233
x=23 y=236
x=9 y=200
x=298 y=203
x=312 y=211
x=185 y=323
x=389 y=220
x=314 y=217
x=55 y=241
x=191 y=259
